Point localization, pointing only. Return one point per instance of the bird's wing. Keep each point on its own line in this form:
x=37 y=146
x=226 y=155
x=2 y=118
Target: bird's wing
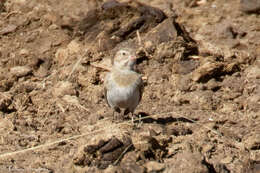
x=105 y=94
x=140 y=87
x=105 y=89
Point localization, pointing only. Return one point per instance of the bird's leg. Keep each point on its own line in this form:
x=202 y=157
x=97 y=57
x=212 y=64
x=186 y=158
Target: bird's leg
x=127 y=111
x=140 y=120
x=132 y=118
x=116 y=111
x=114 y=118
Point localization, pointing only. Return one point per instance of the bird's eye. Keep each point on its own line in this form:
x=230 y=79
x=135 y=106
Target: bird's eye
x=123 y=53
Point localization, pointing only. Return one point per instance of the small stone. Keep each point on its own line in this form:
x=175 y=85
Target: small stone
x=212 y=85
x=184 y=67
x=61 y=55
x=8 y=29
x=227 y=160
x=228 y=107
x=71 y=99
x=252 y=142
x=74 y=47
x=20 y=71
x=253 y=72
x=164 y=32
x=45 y=46
x=2 y=7
x=82 y=80
x=207 y=71
x=50 y=17
x=129 y=163
x=183 y=82
x=157 y=129
x=5 y=102
x=111 y=169
x=182 y=162
x=202 y=99
x=53 y=27
x=63 y=88
x=41 y=72
x=67 y=22
x=80 y=159
x=250 y=6
x=253 y=102
x=24 y=52
x=148 y=44
x=154 y=166
x=206 y=148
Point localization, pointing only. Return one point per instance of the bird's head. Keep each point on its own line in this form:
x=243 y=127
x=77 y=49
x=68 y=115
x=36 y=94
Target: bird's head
x=124 y=59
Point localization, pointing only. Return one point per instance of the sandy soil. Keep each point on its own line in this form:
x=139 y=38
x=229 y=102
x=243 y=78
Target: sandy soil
x=201 y=104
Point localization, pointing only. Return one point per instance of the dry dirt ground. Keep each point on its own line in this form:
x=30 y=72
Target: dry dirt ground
x=200 y=109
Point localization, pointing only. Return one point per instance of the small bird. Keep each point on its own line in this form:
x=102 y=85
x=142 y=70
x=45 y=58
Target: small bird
x=123 y=86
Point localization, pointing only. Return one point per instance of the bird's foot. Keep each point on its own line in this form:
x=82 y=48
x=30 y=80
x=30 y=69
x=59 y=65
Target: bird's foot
x=136 y=125
x=132 y=118
x=140 y=122
x=116 y=117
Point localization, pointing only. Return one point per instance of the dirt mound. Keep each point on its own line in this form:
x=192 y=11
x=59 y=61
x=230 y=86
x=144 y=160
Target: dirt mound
x=200 y=107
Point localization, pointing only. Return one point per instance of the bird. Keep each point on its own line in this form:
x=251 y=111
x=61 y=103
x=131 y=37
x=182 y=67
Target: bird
x=123 y=86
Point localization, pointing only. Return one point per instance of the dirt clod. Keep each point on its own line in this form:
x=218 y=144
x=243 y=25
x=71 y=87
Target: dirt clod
x=250 y=6
x=20 y=71
x=104 y=153
x=201 y=102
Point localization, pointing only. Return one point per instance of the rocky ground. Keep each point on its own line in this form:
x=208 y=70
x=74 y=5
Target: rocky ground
x=200 y=109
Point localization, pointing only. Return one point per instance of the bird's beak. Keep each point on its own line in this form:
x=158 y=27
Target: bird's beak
x=133 y=58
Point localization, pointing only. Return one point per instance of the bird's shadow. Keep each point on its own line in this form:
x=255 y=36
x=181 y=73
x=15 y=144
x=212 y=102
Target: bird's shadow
x=146 y=118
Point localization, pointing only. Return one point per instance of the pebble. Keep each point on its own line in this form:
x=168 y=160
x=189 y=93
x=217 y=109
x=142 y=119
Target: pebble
x=154 y=166
x=20 y=71
x=250 y=6
x=63 y=88
x=8 y=29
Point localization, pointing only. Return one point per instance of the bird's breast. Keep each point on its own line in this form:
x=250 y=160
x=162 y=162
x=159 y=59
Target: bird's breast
x=123 y=90
x=125 y=80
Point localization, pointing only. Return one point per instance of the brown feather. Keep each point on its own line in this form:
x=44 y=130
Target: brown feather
x=121 y=78
x=141 y=89
x=105 y=95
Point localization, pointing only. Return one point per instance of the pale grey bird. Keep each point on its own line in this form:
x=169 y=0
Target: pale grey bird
x=123 y=86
